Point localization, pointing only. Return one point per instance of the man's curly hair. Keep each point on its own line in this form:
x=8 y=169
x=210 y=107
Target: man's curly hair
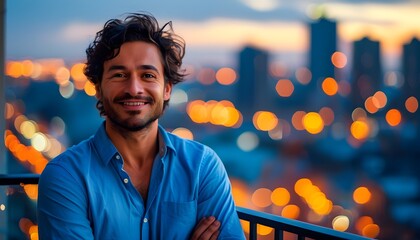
x=135 y=27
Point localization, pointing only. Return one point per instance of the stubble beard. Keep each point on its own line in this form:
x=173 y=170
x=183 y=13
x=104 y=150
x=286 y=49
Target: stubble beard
x=139 y=124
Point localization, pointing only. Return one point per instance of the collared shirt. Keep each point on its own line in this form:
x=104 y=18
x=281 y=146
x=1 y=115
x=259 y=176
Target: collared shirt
x=85 y=193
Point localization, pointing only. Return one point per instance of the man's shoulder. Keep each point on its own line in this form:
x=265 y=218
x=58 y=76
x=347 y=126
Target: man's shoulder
x=72 y=163
x=75 y=153
x=180 y=143
x=191 y=151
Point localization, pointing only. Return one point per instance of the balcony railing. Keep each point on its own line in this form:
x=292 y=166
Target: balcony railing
x=281 y=225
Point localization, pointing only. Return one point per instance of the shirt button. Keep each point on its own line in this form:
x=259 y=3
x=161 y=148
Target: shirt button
x=125 y=180
x=117 y=157
x=145 y=220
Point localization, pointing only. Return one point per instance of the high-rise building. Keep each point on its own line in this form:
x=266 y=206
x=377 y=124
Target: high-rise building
x=411 y=69
x=323 y=43
x=253 y=82
x=366 y=71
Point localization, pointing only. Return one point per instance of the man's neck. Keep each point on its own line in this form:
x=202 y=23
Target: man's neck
x=136 y=147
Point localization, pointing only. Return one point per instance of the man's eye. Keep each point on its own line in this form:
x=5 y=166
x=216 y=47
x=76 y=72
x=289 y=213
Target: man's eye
x=119 y=75
x=148 y=75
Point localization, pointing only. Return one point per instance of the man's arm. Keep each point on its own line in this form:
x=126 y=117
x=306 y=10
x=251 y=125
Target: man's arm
x=62 y=206
x=207 y=228
x=215 y=197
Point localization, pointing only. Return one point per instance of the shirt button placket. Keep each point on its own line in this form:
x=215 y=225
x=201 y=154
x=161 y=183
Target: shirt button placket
x=118 y=157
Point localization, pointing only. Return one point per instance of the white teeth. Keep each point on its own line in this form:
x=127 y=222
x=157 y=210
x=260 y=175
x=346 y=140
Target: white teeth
x=134 y=103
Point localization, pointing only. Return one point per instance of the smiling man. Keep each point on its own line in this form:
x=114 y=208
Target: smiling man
x=132 y=179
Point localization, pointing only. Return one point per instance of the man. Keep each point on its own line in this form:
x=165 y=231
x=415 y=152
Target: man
x=132 y=179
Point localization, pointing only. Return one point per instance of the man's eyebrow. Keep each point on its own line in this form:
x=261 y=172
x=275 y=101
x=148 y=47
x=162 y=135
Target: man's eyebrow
x=142 y=67
x=148 y=67
x=115 y=67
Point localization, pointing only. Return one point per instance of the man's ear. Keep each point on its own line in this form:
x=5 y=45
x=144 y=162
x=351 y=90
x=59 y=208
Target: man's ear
x=98 y=93
x=167 y=91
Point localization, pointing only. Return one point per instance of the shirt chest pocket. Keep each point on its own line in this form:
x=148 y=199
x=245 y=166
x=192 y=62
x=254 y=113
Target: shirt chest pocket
x=178 y=219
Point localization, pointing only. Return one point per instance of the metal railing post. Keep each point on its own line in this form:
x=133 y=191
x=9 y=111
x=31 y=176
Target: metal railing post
x=3 y=164
x=2 y=87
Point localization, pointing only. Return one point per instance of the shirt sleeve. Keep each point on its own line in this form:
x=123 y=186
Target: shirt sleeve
x=62 y=206
x=215 y=197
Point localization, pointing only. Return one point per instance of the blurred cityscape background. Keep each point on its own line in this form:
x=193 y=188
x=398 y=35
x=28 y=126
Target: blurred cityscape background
x=323 y=128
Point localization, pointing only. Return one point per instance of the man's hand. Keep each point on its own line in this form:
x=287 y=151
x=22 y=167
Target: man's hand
x=207 y=228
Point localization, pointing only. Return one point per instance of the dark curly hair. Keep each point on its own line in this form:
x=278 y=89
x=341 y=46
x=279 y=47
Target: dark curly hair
x=135 y=27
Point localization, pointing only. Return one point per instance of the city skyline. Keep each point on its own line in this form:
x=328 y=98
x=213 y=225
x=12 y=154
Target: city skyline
x=214 y=31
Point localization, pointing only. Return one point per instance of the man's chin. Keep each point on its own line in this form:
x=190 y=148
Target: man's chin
x=135 y=126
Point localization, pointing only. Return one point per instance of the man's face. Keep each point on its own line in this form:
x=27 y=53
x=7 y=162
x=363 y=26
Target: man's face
x=133 y=89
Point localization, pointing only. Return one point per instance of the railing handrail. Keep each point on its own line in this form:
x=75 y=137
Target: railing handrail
x=299 y=228
x=279 y=224
x=19 y=178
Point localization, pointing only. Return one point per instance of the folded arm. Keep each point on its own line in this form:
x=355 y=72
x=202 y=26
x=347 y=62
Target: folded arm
x=62 y=206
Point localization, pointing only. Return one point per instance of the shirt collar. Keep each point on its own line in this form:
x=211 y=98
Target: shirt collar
x=106 y=149
x=165 y=142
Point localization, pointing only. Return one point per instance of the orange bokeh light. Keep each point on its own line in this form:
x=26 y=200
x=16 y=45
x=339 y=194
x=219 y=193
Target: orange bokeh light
x=26 y=154
x=261 y=197
x=14 y=69
x=371 y=231
x=218 y=113
x=363 y=222
x=313 y=123
x=339 y=59
x=358 y=114
x=89 y=88
x=370 y=106
x=285 y=87
x=393 y=117
x=303 y=75
x=206 y=76
x=62 y=75
x=412 y=104
x=297 y=120
x=330 y=86
x=76 y=72
x=9 y=111
x=28 y=68
x=302 y=185
x=360 y=129
x=290 y=211
x=265 y=121
x=184 y=133
x=197 y=111
x=379 y=99
x=226 y=76
x=327 y=115
x=31 y=190
x=280 y=196
x=362 y=195
x=239 y=192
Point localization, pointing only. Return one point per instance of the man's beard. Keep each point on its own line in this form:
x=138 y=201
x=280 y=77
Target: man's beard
x=140 y=124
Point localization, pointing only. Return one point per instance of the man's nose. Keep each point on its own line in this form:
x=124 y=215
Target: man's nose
x=135 y=85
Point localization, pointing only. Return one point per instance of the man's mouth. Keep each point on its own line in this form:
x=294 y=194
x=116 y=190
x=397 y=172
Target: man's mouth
x=134 y=103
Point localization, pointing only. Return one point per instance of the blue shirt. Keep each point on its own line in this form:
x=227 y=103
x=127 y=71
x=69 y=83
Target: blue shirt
x=84 y=193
